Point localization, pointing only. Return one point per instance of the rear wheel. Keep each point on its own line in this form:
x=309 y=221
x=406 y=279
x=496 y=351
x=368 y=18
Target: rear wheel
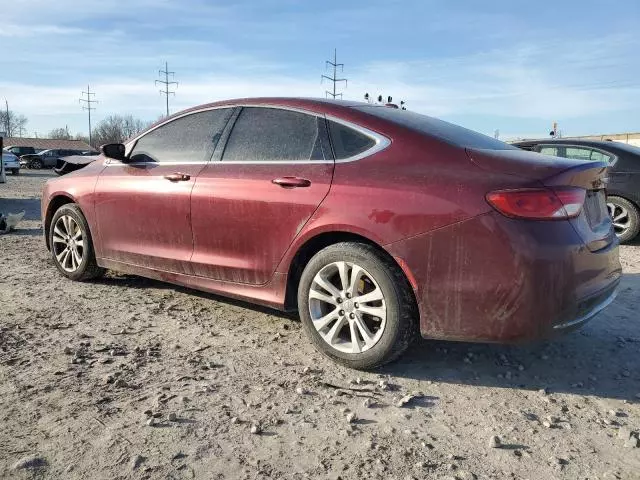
x=71 y=245
x=356 y=306
x=36 y=164
x=625 y=218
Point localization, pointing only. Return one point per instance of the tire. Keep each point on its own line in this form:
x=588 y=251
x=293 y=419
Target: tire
x=15 y=171
x=36 y=164
x=60 y=228
x=625 y=216
x=378 y=274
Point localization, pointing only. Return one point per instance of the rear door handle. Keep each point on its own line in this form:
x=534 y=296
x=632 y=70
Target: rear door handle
x=291 y=182
x=178 y=177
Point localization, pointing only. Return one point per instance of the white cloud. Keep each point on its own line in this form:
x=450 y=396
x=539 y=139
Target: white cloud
x=58 y=47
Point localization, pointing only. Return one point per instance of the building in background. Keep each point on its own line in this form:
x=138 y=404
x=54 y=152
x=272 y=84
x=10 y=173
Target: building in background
x=40 y=144
x=630 y=138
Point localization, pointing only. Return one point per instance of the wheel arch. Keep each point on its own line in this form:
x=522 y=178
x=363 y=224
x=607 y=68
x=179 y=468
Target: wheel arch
x=628 y=198
x=54 y=204
x=313 y=245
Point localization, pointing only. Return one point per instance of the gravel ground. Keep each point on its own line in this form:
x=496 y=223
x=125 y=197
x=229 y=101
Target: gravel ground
x=132 y=378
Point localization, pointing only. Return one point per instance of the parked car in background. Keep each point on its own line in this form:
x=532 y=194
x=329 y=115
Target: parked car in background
x=19 y=151
x=374 y=223
x=11 y=163
x=48 y=158
x=623 y=189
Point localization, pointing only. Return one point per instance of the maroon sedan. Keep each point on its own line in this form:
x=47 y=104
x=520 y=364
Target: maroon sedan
x=374 y=223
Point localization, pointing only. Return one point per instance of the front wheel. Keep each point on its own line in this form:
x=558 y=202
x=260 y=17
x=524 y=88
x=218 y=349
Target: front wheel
x=625 y=218
x=356 y=305
x=36 y=164
x=71 y=245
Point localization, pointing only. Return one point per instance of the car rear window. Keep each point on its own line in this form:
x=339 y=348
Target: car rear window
x=448 y=132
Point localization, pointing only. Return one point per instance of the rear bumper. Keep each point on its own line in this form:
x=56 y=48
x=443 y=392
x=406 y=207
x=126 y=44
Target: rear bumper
x=588 y=308
x=494 y=279
x=11 y=165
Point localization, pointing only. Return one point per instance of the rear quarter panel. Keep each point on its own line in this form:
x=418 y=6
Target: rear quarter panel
x=415 y=185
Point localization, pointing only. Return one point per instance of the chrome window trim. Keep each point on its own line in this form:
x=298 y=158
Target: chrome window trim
x=118 y=163
x=381 y=142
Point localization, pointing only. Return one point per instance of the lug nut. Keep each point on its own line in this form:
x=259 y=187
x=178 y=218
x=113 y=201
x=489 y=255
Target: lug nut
x=341 y=312
x=348 y=295
x=339 y=300
x=357 y=305
x=352 y=315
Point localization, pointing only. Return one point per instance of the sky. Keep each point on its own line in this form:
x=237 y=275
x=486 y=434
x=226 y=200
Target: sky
x=510 y=65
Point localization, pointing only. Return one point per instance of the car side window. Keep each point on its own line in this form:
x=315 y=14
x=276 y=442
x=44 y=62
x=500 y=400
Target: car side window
x=272 y=134
x=191 y=138
x=598 y=156
x=578 y=153
x=348 y=142
x=546 y=150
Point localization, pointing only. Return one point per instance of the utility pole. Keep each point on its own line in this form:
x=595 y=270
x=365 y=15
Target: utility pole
x=8 y=119
x=167 y=83
x=334 y=79
x=86 y=105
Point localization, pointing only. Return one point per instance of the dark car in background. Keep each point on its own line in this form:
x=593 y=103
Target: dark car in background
x=623 y=188
x=19 y=151
x=375 y=223
x=48 y=158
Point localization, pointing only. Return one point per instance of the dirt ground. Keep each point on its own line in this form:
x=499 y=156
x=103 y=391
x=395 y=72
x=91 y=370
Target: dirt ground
x=132 y=378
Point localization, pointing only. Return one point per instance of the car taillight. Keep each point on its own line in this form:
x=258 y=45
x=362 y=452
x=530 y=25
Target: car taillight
x=539 y=203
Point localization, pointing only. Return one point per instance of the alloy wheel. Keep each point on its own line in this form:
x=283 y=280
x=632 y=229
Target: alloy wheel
x=620 y=218
x=347 y=307
x=68 y=243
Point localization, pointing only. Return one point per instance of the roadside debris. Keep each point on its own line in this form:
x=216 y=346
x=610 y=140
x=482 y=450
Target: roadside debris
x=9 y=221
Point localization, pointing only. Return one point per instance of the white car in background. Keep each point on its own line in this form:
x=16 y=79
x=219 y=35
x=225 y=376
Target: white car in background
x=11 y=163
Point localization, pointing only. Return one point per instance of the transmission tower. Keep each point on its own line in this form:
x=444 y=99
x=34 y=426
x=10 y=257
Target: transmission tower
x=87 y=105
x=167 y=83
x=334 y=79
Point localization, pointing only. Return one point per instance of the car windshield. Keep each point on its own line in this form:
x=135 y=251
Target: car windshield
x=450 y=133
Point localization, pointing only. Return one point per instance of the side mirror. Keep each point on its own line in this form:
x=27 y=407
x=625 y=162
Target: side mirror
x=114 y=150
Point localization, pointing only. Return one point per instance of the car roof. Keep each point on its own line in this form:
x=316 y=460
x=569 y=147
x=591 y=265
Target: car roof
x=304 y=103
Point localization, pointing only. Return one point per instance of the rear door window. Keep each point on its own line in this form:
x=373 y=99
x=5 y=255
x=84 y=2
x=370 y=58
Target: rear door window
x=598 y=156
x=188 y=139
x=578 y=153
x=263 y=134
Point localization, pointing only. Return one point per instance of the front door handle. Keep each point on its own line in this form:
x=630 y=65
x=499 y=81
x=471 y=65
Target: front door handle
x=291 y=182
x=178 y=177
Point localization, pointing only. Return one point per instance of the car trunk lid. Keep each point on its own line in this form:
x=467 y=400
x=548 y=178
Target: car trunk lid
x=593 y=223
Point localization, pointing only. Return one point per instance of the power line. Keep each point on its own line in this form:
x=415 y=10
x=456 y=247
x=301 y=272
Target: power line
x=86 y=105
x=334 y=79
x=166 y=83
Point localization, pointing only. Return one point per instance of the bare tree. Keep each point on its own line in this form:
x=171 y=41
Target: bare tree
x=14 y=124
x=117 y=129
x=60 y=134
